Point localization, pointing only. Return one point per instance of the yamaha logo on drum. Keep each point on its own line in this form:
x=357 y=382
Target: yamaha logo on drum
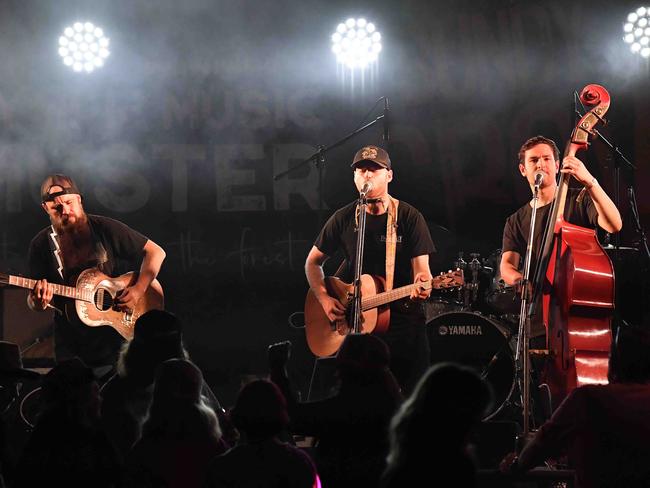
x=464 y=330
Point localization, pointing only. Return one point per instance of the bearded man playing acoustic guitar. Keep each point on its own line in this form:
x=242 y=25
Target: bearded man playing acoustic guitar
x=388 y=223
x=74 y=242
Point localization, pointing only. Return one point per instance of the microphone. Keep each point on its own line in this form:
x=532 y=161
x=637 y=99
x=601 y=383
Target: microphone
x=367 y=186
x=386 y=121
x=539 y=179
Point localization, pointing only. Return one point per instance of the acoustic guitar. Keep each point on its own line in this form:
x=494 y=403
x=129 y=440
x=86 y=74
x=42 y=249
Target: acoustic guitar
x=94 y=298
x=324 y=338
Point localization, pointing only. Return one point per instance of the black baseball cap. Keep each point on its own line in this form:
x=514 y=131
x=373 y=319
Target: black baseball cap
x=67 y=185
x=372 y=153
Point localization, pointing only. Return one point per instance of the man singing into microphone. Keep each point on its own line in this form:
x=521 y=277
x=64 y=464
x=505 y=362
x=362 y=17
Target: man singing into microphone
x=393 y=228
x=539 y=158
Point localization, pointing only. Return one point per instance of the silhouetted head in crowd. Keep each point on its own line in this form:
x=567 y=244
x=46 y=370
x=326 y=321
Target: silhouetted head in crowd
x=177 y=409
x=260 y=411
x=70 y=391
x=158 y=336
x=629 y=360
x=447 y=403
x=363 y=358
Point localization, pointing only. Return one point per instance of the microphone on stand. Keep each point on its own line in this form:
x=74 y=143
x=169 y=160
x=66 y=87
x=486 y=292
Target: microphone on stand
x=386 y=121
x=367 y=186
x=539 y=179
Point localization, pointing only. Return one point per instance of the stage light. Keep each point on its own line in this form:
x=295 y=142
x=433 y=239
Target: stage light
x=637 y=31
x=356 y=43
x=84 y=47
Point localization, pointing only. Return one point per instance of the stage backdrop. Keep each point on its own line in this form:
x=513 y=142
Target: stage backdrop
x=201 y=103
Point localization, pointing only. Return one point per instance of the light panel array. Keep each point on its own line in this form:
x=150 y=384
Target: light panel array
x=84 y=47
x=637 y=31
x=356 y=43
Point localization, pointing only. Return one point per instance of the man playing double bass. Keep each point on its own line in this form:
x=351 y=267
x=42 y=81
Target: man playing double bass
x=593 y=208
x=590 y=207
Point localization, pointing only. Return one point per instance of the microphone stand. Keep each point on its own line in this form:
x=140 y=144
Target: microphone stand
x=362 y=203
x=522 y=359
x=318 y=159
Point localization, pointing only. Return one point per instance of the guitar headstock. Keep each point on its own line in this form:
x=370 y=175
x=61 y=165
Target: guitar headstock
x=450 y=279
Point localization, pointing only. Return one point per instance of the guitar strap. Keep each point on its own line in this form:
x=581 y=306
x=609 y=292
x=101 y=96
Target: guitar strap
x=55 y=247
x=391 y=241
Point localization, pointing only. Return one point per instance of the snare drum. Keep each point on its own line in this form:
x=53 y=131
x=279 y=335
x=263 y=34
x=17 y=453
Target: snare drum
x=479 y=342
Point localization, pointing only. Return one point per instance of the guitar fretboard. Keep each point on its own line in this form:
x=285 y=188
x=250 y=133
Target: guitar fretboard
x=62 y=290
x=387 y=297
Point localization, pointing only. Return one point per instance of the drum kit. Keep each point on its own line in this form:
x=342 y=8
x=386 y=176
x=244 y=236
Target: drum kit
x=476 y=325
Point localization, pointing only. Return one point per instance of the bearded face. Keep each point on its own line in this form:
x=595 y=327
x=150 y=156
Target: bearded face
x=65 y=211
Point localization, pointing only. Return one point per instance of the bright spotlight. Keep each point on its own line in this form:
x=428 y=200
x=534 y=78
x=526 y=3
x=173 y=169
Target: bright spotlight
x=356 y=43
x=83 y=47
x=636 y=31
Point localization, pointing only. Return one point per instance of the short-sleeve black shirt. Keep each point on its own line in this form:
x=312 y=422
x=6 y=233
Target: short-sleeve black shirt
x=413 y=239
x=517 y=228
x=118 y=249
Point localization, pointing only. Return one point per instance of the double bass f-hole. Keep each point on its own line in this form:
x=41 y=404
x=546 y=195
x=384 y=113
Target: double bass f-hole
x=564 y=353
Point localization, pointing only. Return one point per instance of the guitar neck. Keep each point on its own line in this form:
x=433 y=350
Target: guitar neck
x=61 y=290
x=390 y=296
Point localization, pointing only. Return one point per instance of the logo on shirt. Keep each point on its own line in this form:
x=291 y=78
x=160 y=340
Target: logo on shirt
x=398 y=239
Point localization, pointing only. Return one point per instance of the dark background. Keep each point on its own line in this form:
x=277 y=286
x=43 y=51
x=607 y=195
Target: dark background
x=202 y=102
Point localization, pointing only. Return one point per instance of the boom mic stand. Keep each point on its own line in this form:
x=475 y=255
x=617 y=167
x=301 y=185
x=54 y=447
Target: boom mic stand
x=318 y=159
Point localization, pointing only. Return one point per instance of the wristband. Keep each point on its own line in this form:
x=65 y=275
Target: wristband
x=594 y=181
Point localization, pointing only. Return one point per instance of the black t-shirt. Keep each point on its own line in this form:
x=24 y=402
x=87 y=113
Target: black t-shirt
x=517 y=228
x=413 y=239
x=118 y=249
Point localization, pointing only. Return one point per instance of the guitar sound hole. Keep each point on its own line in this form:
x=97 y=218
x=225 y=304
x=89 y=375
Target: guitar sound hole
x=103 y=300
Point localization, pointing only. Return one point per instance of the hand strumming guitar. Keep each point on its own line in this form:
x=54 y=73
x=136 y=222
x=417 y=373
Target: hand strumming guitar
x=333 y=308
x=128 y=298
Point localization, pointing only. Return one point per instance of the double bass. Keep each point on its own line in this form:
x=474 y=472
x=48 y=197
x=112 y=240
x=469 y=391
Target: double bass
x=575 y=278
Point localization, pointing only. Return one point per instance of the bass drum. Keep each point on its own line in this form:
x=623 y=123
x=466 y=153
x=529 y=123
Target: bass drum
x=482 y=343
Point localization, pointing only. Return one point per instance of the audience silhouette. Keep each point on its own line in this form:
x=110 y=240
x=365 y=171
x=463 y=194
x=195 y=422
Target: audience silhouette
x=261 y=459
x=602 y=429
x=67 y=446
x=351 y=427
x=127 y=395
x=429 y=435
x=180 y=434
